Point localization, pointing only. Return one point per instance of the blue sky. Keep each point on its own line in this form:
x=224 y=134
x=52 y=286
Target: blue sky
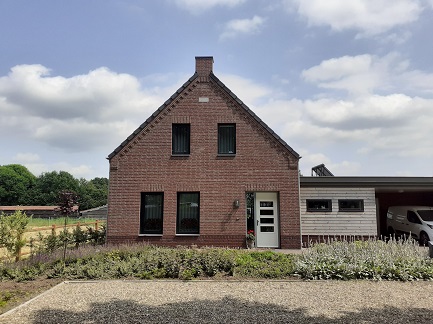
x=345 y=83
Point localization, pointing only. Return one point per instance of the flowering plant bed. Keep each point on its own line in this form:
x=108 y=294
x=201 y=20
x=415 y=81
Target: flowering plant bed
x=251 y=236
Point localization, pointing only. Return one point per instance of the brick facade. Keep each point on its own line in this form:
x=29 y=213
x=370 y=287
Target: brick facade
x=144 y=163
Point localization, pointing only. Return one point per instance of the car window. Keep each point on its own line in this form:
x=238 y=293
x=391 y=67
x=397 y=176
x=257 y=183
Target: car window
x=412 y=218
x=426 y=215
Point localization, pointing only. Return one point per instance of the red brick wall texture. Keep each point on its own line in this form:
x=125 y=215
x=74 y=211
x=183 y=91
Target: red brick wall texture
x=145 y=164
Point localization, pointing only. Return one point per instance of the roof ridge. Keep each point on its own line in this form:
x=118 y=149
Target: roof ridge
x=214 y=78
x=252 y=114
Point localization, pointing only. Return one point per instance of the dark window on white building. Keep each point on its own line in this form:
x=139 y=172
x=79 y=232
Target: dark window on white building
x=319 y=205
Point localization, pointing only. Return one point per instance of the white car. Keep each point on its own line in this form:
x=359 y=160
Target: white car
x=411 y=220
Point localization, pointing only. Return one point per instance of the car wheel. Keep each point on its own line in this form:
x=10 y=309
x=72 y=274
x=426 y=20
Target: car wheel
x=423 y=239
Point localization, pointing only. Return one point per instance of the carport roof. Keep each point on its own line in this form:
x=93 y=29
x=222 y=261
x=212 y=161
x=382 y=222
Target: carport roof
x=381 y=184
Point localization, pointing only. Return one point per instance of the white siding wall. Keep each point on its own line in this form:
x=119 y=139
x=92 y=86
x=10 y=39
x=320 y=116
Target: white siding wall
x=335 y=222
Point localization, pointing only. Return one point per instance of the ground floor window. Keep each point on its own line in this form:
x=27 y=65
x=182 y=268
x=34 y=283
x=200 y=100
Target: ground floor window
x=351 y=205
x=188 y=213
x=151 y=212
x=319 y=205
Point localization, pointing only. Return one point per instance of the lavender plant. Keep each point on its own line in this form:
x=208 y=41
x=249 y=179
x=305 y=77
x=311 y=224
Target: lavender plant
x=370 y=259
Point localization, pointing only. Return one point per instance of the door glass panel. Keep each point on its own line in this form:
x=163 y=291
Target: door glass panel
x=266 y=211
x=266 y=220
x=266 y=229
x=266 y=204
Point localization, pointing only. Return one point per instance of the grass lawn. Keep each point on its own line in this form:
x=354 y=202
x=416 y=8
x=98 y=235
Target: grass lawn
x=59 y=221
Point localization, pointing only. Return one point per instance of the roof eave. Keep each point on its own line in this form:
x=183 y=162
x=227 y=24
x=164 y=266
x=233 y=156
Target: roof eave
x=366 y=181
x=253 y=115
x=152 y=117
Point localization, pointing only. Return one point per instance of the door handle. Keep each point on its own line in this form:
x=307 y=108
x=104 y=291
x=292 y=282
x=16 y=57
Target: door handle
x=257 y=222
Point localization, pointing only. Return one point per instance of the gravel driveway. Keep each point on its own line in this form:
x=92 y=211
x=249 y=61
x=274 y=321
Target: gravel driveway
x=206 y=301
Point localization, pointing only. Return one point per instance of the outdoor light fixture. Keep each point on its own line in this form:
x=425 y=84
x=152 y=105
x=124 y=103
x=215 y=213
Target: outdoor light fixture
x=236 y=203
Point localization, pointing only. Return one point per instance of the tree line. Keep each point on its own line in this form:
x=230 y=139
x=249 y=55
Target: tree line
x=18 y=186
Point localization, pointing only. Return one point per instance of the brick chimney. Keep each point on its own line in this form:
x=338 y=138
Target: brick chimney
x=203 y=65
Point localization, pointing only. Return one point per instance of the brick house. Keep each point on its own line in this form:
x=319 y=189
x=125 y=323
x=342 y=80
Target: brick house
x=202 y=170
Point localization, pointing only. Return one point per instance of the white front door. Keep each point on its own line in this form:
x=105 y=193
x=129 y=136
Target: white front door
x=266 y=216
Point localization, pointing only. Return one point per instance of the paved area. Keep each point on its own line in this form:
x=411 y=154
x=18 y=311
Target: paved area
x=229 y=301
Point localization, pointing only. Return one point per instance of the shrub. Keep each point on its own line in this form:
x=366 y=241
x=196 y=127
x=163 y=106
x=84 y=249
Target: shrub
x=402 y=260
x=264 y=265
x=12 y=228
x=372 y=259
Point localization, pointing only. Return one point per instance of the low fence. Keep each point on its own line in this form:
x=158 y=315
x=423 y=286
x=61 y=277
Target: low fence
x=54 y=227
x=47 y=230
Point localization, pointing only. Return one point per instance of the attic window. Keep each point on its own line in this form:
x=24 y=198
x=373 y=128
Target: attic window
x=227 y=139
x=181 y=139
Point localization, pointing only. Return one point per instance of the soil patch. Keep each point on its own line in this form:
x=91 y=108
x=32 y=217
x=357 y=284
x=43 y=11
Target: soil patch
x=14 y=293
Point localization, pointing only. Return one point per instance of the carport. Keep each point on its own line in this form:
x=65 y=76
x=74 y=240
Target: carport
x=389 y=191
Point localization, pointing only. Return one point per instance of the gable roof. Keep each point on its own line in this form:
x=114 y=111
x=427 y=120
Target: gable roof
x=179 y=91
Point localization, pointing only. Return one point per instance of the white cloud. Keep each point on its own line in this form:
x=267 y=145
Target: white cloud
x=85 y=112
x=369 y=17
x=353 y=134
x=393 y=38
x=366 y=74
x=362 y=113
x=237 y=27
x=247 y=90
x=24 y=158
x=200 y=6
x=352 y=73
x=38 y=165
x=345 y=134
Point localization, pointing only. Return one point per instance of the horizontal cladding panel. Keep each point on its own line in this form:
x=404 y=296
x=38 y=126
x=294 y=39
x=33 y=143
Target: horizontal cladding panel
x=345 y=222
x=336 y=190
x=336 y=222
x=334 y=231
x=337 y=225
x=338 y=193
x=322 y=226
x=341 y=215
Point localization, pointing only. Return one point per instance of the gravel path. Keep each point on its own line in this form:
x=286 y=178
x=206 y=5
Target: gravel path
x=229 y=302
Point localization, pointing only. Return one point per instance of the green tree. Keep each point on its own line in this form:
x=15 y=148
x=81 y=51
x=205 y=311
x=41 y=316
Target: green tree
x=16 y=185
x=50 y=184
x=93 y=193
x=12 y=228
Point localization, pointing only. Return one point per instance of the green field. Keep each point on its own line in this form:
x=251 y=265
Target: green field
x=59 y=221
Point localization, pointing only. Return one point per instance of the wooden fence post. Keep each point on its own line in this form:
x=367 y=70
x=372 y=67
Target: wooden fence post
x=96 y=225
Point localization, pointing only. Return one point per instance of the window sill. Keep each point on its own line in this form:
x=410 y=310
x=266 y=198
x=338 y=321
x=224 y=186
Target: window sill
x=226 y=155
x=187 y=234
x=350 y=211
x=149 y=234
x=180 y=156
x=319 y=211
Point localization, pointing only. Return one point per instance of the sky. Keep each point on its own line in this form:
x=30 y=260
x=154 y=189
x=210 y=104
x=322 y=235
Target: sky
x=344 y=83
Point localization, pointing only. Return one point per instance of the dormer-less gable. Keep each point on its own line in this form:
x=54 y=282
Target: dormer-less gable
x=183 y=176
x=203 y=74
